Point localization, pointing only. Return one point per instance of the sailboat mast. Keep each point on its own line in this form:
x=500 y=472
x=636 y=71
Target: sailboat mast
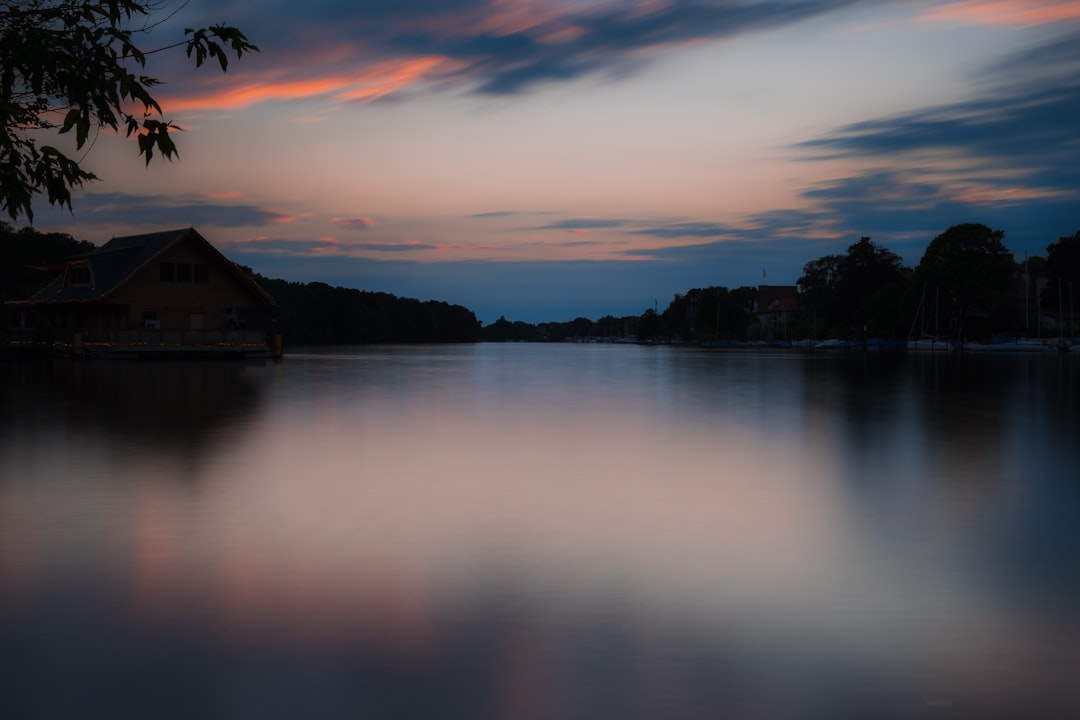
x=915 y=320
x=937 y=312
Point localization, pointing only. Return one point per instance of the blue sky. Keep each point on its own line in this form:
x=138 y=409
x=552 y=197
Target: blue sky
x=547 y=160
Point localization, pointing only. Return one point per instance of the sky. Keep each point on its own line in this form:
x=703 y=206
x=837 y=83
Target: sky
x=550 y=159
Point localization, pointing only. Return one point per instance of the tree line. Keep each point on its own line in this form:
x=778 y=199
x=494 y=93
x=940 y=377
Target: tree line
x=967 y=284
x=307 y=313
x=30 y=259
x=319 y=314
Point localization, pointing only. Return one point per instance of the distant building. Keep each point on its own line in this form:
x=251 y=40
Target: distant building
x=164 y=289
x=774 y=306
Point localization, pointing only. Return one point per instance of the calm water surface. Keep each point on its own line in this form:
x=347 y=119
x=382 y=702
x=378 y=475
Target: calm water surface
x=541 y=531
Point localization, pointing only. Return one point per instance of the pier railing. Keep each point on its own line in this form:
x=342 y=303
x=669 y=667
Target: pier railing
x=148 y=338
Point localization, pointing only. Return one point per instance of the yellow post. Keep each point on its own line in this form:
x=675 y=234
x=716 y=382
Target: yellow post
x=77 y=344
x=275 y=346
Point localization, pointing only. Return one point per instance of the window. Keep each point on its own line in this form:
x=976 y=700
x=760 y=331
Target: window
x=78 y=275
x=183 y=272
x=167 y=272
x=202 y=273
x=150 y=321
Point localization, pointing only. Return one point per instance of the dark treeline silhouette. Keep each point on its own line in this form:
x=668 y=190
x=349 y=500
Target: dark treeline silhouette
x=839 y=295
x=319 y=314
x=608 y=327
x=700 y=315
x=308 y=314
x=29 y=259
x=967 y=285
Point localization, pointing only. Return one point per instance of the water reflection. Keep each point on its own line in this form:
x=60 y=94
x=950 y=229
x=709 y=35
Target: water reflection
x=556 y=532
x=175 y=408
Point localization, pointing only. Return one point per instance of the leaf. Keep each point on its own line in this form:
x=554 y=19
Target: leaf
x=216 y=51
x=67 y=67
x=146 y=147
x=69 y=120
x=82 y=128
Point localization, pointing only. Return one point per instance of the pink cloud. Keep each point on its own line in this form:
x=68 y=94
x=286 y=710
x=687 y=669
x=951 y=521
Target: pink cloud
x=370 y=83
x=992 y=195
x=1007 y=12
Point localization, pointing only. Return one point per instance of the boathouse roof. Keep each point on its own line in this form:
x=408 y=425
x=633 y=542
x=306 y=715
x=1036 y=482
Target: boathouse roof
x=118 y=260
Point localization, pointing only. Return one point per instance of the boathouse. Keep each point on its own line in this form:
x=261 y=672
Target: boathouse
x=161 y=291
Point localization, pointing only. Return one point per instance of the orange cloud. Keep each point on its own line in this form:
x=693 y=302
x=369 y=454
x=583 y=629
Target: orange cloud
x=369 y=84
x=394 y=78
x=1007 y=12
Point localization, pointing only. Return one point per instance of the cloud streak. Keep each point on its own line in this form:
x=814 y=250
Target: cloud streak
x=503 y=59
x=574 y=224
x=365 y=84
x=327 y=246
x=1012 y=150
x=154 y=211
x=354 y=223
x=373 y=50
x=1022 y=13
x=686 y=230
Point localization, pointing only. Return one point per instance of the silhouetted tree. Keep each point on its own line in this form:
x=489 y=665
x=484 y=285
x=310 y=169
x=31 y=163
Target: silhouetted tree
x=76 y=65
x=972 y=265
x=736 y=312
x=502 y=330
x=650 y=327
x=319 y=314
x=679 y=317
x=844 y=293
x=30 y=259
x=870 y=272
x=1063 y=269
x=610 y=326
x=1063 y=258
x=818 y=291
x=704 y=315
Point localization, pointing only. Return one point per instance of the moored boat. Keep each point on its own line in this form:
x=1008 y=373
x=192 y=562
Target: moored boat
x=1011 y=346
x=929 y=345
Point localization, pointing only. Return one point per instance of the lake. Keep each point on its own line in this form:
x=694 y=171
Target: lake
x=541 y=531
